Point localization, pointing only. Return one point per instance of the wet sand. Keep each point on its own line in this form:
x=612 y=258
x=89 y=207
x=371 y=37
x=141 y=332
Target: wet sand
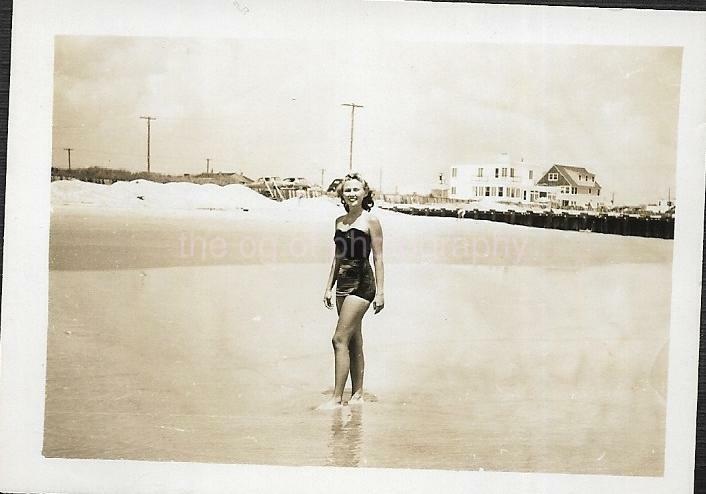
x=552 y=362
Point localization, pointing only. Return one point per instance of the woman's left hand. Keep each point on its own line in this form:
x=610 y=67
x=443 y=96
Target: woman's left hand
x=378 y=303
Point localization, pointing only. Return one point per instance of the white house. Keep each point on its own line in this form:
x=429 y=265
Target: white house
x=503 y=180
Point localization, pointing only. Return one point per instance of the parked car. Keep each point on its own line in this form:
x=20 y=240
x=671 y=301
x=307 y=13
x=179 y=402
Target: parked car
x=334 y=185
x=270 y=180
x=295 y=183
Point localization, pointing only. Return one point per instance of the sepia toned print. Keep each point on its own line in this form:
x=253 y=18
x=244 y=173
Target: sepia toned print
x=527 y=198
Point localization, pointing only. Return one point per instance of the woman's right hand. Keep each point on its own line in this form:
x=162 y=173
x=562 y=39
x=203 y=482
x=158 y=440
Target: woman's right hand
x=328 y=295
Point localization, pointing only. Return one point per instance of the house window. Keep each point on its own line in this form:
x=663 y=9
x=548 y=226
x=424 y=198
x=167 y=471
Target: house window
x=580 y=178
x=512 y=172
x=553 y=177
x=574 y=190
x=524 y=195
x=500 y=191
x=497 y=172
x=598 y=192
x=590 y=191
x=453 y=190
x=487 y=191
x=453 y=171
x=504 y=172
x=480 y=172
x=530 y=174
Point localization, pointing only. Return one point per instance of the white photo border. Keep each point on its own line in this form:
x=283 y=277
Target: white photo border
x=25 y=280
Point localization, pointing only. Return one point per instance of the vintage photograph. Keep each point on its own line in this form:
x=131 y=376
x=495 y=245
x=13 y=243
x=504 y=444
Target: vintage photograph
x=451 y=256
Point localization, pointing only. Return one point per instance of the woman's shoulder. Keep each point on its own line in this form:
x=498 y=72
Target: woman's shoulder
x=373 y=222
x=371 y=218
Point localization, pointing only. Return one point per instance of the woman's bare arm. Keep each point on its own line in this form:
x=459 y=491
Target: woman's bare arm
x=333 y=274
x=335 y=264
x=376 y=237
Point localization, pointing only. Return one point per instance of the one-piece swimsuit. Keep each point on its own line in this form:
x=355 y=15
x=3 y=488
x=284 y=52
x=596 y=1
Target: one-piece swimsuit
x=355 y=275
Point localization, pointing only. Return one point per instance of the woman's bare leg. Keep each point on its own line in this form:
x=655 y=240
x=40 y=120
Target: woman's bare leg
x=355 y=351
x=351 y=312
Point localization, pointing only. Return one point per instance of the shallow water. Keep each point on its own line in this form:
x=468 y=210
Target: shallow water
x=505 y=368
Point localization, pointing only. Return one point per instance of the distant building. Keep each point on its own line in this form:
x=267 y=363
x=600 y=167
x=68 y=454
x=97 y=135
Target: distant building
x=570 y=186
x=502 y=180
x=662 y=206
x=440 y=193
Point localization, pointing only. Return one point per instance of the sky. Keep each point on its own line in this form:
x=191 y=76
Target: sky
x=274 y=107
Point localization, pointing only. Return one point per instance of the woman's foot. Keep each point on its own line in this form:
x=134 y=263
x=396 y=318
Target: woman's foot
x=331 y=404
x=357 y=398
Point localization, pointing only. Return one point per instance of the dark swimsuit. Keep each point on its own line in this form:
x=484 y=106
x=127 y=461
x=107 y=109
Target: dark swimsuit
x=355 y=275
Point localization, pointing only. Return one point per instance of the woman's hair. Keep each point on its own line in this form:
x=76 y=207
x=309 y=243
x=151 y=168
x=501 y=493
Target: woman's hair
x=367 y=202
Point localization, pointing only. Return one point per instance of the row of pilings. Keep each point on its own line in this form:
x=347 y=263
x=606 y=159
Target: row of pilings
x=632 y=225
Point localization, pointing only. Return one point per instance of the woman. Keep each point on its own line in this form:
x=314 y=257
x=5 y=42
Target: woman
x=357 y=234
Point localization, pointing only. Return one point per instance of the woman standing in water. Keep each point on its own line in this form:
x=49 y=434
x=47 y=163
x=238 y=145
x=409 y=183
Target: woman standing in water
x=357 y=234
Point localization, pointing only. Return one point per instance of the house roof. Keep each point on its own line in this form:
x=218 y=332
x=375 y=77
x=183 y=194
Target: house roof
x=571 y=173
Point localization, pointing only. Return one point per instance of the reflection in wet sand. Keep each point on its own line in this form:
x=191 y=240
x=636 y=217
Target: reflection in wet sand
x=346 y=436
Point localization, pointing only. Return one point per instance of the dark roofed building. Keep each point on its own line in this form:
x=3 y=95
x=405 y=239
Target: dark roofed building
x=574 y=185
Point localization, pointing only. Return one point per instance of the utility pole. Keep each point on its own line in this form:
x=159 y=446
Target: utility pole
x=208 y=162
x=380 y=183
x=68 y=150
x=149 y=120
x=322 y=177
x=353 y=107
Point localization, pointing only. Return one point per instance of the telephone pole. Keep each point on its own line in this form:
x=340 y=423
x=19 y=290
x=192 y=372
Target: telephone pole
x=68 y=150
x=208 y=162
x=149 y=120
x=322 y=177
x=353 y=107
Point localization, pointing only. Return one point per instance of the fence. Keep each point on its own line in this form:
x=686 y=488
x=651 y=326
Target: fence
x=632 y=225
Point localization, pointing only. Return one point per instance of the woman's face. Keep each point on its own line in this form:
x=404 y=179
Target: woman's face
x=353 y=192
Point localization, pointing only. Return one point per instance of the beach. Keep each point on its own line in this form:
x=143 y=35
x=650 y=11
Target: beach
x=199 y=334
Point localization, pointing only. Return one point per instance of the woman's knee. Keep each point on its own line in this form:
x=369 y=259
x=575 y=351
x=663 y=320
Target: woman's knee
x=340 y=341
